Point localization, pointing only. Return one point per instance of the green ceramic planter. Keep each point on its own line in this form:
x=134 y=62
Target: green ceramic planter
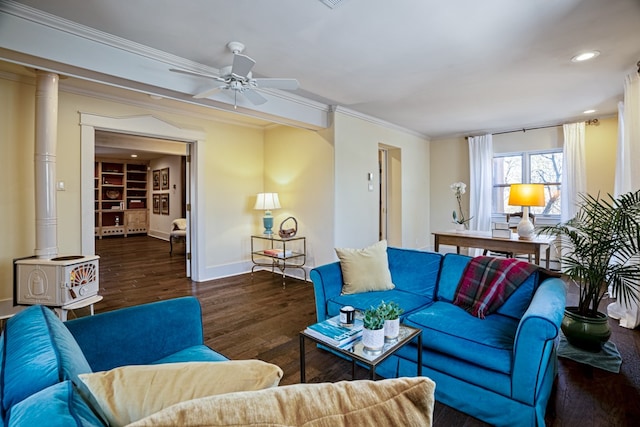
x=583 y=332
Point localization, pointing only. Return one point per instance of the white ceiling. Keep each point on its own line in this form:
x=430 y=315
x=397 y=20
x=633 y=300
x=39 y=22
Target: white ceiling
x=439 y=68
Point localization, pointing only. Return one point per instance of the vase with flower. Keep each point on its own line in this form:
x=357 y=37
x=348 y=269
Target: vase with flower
x=462 y=223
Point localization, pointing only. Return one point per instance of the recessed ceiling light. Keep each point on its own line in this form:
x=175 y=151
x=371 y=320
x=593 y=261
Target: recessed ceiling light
x=156 y=97
x=588 y=111
x=134 y=155
x=585 y=56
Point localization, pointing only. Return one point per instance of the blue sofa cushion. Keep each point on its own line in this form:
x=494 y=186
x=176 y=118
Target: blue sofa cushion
x=407 y=300
x=138 y=335
x=414 y=271
x=197 y=353
x=449 y=329
x=38 y=351
x=58 y=405
x=453 y=266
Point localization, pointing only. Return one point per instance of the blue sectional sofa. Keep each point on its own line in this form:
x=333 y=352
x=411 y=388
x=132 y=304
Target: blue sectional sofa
x=499 y=369
x=41 y=357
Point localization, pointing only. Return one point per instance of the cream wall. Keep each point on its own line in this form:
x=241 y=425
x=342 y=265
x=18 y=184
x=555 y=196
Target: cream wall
x=601 y=143
x=450 y=162
x=17 y=206
x=299 y=167
x=356 y=208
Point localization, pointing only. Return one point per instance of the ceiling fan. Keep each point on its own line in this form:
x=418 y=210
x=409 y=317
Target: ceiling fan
x=237 y=79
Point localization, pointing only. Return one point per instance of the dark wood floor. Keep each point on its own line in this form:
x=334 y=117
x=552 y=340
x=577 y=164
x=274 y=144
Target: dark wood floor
x=256 y=318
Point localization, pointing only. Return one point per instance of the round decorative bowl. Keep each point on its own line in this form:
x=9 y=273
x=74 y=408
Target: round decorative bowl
x=112 y=194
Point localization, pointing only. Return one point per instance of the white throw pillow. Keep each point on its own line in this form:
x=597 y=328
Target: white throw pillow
x=366 y=269
x=130 y=393
x=406 y=401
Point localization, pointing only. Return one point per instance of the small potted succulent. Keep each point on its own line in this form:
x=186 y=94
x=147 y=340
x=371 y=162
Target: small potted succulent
x=373 y=332
x=391 y=312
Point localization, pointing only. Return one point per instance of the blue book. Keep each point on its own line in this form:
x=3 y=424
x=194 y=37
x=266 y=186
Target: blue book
x=332 y=332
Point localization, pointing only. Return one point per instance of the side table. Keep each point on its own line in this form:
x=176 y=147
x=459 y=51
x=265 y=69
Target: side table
x=277 y=252
x=357 y=353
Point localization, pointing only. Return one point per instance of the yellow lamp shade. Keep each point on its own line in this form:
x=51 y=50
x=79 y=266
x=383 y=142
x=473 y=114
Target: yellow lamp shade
x=527 y=195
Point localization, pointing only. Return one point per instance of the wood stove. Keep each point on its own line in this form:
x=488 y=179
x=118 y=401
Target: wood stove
x=58 y=281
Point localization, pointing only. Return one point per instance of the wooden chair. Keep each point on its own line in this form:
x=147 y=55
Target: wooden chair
x=513 y=227
x=178 y=232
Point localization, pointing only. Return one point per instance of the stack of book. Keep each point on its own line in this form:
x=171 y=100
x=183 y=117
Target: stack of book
x=501 y=230
x=332 y=332
x=279 y=253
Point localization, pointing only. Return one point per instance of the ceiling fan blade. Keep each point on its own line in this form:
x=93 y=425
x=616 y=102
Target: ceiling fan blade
x=242 y=65
x=207 y=93
x=287 y=84
x=195 y=73
x=254 y=97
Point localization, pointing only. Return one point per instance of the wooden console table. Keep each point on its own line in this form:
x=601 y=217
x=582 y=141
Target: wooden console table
x=483 y=240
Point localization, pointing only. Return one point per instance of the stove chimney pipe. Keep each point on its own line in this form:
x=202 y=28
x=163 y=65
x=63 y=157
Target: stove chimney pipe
x=46 y=132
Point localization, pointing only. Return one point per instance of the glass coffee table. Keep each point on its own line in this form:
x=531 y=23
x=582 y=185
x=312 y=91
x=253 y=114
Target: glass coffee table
x=357 y=352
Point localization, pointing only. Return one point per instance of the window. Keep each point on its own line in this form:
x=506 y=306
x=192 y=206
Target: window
x=543 y=167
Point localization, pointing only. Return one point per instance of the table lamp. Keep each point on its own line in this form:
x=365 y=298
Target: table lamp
x=526 y=195
x=267 y=202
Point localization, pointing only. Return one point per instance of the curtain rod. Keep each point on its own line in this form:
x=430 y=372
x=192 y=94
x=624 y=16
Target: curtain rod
x=524 y=130
x=588 y=122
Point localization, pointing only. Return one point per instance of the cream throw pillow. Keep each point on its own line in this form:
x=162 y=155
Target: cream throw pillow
x=366 y=269
x=402 y=402
x=130 y=393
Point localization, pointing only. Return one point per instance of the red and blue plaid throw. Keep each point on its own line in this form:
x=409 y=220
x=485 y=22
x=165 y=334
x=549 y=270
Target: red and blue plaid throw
x=488 y=282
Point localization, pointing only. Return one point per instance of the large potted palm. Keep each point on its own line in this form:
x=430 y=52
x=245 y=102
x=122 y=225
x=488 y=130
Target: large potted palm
x=599 y=250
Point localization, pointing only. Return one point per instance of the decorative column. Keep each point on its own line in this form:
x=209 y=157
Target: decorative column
x=46 y=131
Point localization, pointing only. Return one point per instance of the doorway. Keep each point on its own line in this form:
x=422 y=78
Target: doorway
x=390 y=203
x=382 y=208
x=141 y=205
x=145 y=126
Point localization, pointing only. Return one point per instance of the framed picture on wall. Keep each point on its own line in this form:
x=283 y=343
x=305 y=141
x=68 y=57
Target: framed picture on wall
x=164 y=178
x=156 y=204
x=164 y=204
x=156 y=179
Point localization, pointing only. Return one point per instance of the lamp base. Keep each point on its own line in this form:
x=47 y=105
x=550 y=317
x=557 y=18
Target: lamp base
x=525 y=226
x=267 y=222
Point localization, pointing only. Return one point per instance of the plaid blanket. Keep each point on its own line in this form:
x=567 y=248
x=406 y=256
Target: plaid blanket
x=488 y=282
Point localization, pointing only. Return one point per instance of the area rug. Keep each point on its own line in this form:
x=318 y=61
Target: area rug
x=608 y=358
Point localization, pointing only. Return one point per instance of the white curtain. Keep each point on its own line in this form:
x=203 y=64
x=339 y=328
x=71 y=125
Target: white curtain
x=574 y=169
x=480 y=183
x=627 y=176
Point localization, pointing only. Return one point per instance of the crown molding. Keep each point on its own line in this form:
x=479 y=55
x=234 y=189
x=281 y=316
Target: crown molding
x=375 y=120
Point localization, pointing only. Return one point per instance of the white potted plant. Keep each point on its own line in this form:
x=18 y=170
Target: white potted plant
x=459 y=188
x=391 y=312
x=373 y=331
